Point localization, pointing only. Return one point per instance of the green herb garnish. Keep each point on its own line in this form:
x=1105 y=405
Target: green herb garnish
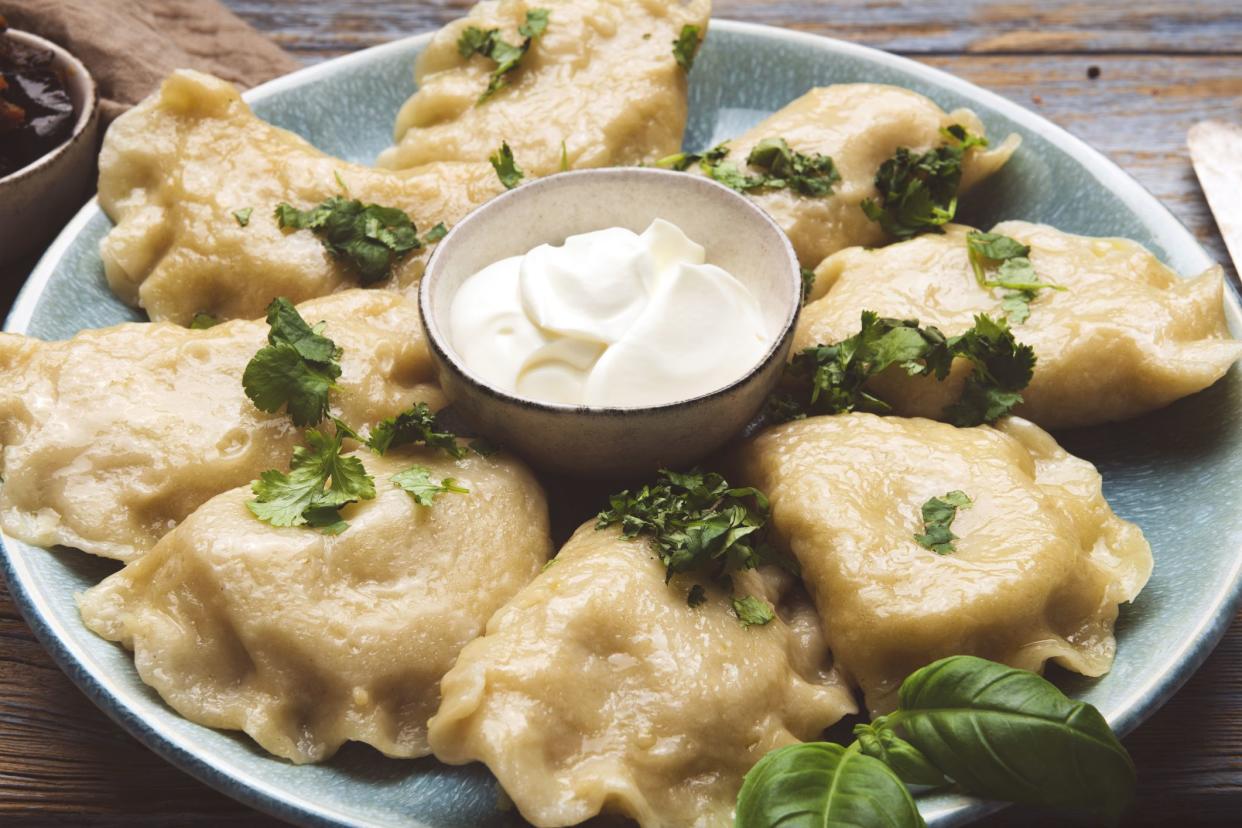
x=1015 y=273
x=686 y=46
x=507 y=170
x=435 y=234
x=416 y=480
x=489 y=43
x=203 y=321
x=938 y=516
x=296 y=369
x=369 y=238
x=808 y=283
x=831 y=379
x=319 y=482
x=242 y=216
x=417 y=424
x=918 y=192
x=752 y=611
x=779 y=167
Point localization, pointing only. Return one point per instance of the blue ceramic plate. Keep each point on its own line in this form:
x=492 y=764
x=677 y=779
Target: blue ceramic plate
x=1173 y=472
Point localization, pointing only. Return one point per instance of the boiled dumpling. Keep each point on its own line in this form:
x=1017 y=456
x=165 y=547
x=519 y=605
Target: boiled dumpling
x=305 y=640
x=601 y=80
x=111 y=438
x=860 y=125
x=1038 y=570
x=597 y=689
x=1126 y=336
x=175 y=169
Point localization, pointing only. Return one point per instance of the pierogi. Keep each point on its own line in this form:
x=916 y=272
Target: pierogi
x=175 y=169
x=112 y=438
x=1126 y=336
x=598 y=689
x=1040 y=564
x=305 y=640
x=860 y=125
x=601 y=81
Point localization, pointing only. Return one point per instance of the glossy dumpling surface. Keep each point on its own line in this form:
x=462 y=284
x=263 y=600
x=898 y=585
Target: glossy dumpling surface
x=597 y=689
x=1040 y=566
x=860 y=125
x=304 y=640
x=1126 y=336
x=175 y=168
x=602 y=79
x=110 y=439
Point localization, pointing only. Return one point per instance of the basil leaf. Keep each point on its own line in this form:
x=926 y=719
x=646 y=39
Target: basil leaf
x=1003 y=733
x=819 y=784
x=879 y=740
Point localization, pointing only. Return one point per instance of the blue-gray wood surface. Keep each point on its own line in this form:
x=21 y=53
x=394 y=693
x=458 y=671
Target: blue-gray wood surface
x=1129 y=77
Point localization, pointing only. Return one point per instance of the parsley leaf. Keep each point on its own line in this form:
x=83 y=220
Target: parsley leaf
x=242 y=216
x=831 y=379
x=296 y=370
x=752 y=611
x=319 y=482
x=1015 y=274
x=417 y=424
x=490 y=44
x=918 y=193
x=507 y=170
x=416 y=480
x=370 y=238
x=938 y=516
x=808 y=283
x=435 y=234
x=810 y=175
x=686 y=46
x=203 y=321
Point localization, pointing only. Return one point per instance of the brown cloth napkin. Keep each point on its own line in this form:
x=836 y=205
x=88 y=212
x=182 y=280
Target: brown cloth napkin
x=131 y=45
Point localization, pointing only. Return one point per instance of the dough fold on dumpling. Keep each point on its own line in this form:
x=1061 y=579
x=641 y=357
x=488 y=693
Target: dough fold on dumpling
x=860 y=125
x=1125 y=337
x=598 y=689
x=110 y=439
x=175 y=169
x=601 y=80
x=1040 y=565
x=305 y=640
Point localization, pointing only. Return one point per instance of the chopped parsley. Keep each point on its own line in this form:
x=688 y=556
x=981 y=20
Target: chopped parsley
x=808 y=283
x=242 y=216
x=831 y=379
x=918 y=192
x=319 y=483
x=417 y=424
x=752 y=611
x=686 y=46
x=938 y=516
x=369 y=238
x=435 y=234
x=417 y=482
x=202 y=321
x=1015 y=273
x=489 y=44
x=507 y=170
x=778 y=167
x=295 y=370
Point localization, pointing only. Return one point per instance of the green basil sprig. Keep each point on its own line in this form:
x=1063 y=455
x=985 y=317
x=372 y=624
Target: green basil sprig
x=995 y=731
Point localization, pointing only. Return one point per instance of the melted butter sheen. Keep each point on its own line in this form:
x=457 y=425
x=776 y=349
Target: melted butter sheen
x=609 y=318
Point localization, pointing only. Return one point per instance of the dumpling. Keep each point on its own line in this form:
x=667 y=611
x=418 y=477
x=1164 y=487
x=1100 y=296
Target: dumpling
x=597 y=689
x=860 y=125
x=1126 y=336
x=1039 y=567
x=174 y=170
x=305 y=640
x=602 y=79
x=112 y=438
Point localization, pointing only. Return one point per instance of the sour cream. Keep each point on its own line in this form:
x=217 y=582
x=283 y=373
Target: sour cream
x=610 y=318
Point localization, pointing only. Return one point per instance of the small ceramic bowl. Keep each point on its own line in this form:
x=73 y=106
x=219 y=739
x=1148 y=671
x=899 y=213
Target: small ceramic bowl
x=38 y=199
x=615 y=442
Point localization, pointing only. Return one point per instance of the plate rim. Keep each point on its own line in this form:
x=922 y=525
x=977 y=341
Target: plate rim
x=91 y=678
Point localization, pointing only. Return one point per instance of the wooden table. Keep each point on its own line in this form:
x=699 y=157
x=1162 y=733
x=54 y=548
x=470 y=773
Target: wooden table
x=1129 y=77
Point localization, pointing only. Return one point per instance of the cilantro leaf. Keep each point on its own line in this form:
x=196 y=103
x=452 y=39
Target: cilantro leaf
x=507 y=170
x=203 y=321
x=416 y=480
x=918 y=192
x=296 y=370
x=318 y=484
x=369 y=238
x=242 y=216
x=686 y=46
x=752 y=611
x=938 y=516
x=1001 y=368
x=808 y=283
x=417 y=424
x=435 y=234
x=1015 y=273
x=489 y=44
x=810 y=175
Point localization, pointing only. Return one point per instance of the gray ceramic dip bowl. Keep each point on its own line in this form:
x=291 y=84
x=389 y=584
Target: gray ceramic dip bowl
x=592 y=442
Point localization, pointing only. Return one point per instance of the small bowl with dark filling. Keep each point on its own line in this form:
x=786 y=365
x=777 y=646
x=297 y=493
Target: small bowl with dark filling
x=49 y=122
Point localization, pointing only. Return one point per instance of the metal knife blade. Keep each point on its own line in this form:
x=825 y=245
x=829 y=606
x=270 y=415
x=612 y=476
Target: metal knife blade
x=1216 y=152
